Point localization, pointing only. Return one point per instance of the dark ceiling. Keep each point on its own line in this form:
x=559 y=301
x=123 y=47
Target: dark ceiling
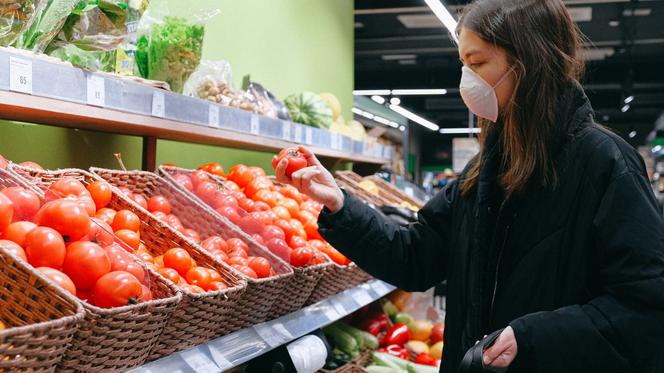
x=626 y=57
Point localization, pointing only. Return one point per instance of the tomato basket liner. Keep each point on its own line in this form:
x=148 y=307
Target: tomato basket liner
x=304 y=280
x=254 y=305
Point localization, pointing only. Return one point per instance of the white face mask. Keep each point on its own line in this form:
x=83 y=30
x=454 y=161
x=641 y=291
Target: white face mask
x=478 y=95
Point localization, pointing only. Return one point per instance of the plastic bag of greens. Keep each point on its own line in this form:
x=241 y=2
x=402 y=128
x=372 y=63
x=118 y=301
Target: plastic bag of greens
x=124 y=58
x=90 y=60
x=15 y=15
x=48 y=20
x=169 y=48
x=94 y=25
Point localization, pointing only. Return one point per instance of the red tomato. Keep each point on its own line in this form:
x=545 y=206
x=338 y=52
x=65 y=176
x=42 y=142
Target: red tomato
x=297 y=241
x=230 y=213
x=285 y=226
x=85 y=263
x=278 y=247
x=261 y=206
x=14 y=248
x=198 y=177
x=192 y=234
x=107 y=215
x=214 y=275
x=238 y=260
x=213 y=168
x=232 y=186
x=269 y=217
x=116 y=289
x=146 y=294
x=44 y=247
x=159 y=261
x=185 y=181
x=126 y=191
x=84 y=295
x=260 y=265
x=174 y=222
x=335 y=255
x=100 y=233
x=66 y=217
x=256 y=171
x=65 y=188
x=298 y=228
x=236 y=243
x=144 y=255
x=282 y=212
x=161 y=216
x=292 y=206
x=219 y=255
x=6 y=212
x=247 y=204
x=251 y=223
x=207 y=191
x=273 y=231
x=136 y=270
x=214 y=243
x=33 y=165
x=140 y=200
x=221 y=200
x=218 y=285
x=17 y=232
x=237 y=252
x=59 y=278
x=258 y=238
x=294 y=158
x=159 y=203
x=199 y=276
x=240 y=175
x=319 y=258
x=101 y=193
x=126 y=219
x=26 y=203
x=245 y=271
x=291 y=192
x=302 y=256
x=129 y=240
x=178 y=259
x=263 y=196
x=257 y=184
x=170 y=274
x=306 y=216
x=311 y=228
x=121 y=261
x=194 y=289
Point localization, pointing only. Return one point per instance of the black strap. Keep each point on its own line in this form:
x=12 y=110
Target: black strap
x=472 y=361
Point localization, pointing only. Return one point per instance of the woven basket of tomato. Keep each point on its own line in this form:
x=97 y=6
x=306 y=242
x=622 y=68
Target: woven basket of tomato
x=280 y=227
x=265 y=274
x=126 y=306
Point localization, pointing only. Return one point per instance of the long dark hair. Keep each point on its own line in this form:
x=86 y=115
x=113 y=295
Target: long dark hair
x=542 y=43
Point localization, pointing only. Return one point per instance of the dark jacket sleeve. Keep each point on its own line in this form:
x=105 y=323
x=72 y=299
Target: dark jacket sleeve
x=622 y=329
x=412 y=258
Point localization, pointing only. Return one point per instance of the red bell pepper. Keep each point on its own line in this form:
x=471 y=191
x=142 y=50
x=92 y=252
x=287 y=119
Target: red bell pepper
x=426 y=359
x=375 y=324
x=398 y=334
x=397 y=351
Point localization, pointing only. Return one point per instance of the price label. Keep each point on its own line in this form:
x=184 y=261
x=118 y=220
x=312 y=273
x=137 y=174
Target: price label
x=274 y=334
x=214 y=116
x=96 y=91
x=20 y=75
x=409 y=191
x=286 y=131
x=380 y=288
x=308 y=136
x=255 y=125
x=199 y=362
x=340 y=307
x=158 y=105
x=299 y=134
x=219 y=358
x=331 y=313
x=362 y=297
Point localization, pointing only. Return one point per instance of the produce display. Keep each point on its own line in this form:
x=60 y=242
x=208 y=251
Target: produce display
x=15 y=15
x=310 y=109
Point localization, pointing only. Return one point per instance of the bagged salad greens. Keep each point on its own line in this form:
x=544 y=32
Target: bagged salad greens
x=49 y=17
x=125 y=63
x=94 y=25
x=15 y=16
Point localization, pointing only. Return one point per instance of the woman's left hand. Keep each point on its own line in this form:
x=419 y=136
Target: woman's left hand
x=503 y=351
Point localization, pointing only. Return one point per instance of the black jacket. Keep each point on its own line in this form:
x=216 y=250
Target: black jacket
x=576 y=270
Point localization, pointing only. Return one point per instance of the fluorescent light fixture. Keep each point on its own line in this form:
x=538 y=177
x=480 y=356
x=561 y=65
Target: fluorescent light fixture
x=581 y=14
x=402 y=128
x=632 y=134
x=394 y=57
x=371 y=92
x=393 y=124
x=614 y=23
x=459 y=131
x=395 y=101
x=657 y=148
x=359 y=25
x=418 y=92
x=625 y=108
x=414 y=117
x=357 y=111
x=407 y=62
x=629 y=99
x=444 y=16
x=381 y=120
x=378 y=99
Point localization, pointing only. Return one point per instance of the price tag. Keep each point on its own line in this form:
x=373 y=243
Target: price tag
x=274 y=334
x=308 y=136
x=380 y=287
x=214 y=116
x=20 y=75
x=286 y=131
x=199 y=362
x=96 y=91
x=158 y=105
x=219 y=358
x=340 y=307
x=331 y=313
x=255 y=125
x=409 y=191
x=362 y=297
x=299 y=134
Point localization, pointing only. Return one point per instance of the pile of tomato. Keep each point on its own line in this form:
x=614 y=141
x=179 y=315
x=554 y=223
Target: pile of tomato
x=65 y=240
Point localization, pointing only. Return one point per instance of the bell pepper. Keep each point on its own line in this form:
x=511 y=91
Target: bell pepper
x=398 y=334
x=425 y=359
x=376 y=324
x=396 y=350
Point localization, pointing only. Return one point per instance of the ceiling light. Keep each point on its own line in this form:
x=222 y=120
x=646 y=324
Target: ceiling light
x=378 y=99
x=614 y=23
x=371 y=92
x=395 y=101
x=632 y=134
x=459 y=131
x=420 y=92
x=629 y=99
x=625 y=108
x=381 y=120
x=444 y=16
x=402 y=128
x=393 y=57
x=407 y=62
x=357 y=111
x=414 y=117
x=359 y=25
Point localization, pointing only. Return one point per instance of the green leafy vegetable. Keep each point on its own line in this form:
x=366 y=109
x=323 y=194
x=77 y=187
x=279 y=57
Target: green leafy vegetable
x=90 y=60
x=15 y=16
x=49 y=18
x=94 y=25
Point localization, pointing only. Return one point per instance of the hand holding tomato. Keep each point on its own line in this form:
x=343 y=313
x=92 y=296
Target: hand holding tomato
x=313 y=180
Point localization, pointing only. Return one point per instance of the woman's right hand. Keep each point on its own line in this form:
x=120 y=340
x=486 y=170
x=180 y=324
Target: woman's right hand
x=314 y=181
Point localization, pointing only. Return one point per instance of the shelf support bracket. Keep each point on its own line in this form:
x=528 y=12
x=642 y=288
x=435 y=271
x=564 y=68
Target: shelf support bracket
x=149 y=157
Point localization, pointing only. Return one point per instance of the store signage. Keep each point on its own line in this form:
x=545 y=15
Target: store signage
x=96 y=91
x=158 y=105
x=213 y=116
x=20 y=75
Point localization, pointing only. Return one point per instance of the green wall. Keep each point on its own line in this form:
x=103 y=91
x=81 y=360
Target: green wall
x=289 y=46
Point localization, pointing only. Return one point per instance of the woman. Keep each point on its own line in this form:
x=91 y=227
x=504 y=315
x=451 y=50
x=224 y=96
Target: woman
x=551 y=232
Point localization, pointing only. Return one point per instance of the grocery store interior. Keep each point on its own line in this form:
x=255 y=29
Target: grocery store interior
x=142 y=227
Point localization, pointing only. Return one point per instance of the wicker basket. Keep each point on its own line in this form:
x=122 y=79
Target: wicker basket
x=301 y=285
x=112 y=339
x=255 y=304
x=337 y=279
x=40 y=317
